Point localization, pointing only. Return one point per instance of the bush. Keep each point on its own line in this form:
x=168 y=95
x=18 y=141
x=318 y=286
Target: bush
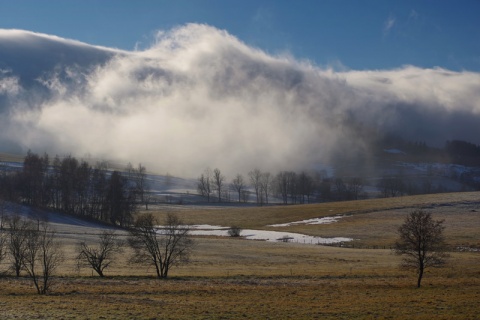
x=234 y=231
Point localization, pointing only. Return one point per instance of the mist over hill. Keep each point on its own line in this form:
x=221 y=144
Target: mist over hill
x=198 y=97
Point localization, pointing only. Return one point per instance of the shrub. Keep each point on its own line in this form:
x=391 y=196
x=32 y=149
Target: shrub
x=234 y=231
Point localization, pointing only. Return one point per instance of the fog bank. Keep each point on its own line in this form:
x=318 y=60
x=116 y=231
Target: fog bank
x=199 y=97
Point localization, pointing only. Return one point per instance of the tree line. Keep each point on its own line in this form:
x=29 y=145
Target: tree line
x=463 y=152
x=289 y=186
x=75 y=187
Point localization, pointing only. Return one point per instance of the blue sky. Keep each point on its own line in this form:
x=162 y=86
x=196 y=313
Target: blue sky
x=360 y=35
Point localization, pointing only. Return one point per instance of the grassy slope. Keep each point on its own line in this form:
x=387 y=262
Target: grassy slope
x=370 y=222
x=235 y=278
x=258 y=217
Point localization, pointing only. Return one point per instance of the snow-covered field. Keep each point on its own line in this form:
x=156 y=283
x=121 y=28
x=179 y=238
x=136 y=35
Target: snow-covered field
x=67 y=227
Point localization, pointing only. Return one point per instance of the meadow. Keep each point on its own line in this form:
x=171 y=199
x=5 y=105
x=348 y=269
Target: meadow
x=233 y=278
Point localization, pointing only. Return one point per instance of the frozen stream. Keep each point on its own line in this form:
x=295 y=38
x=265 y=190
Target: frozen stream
x=74 y=228
x=266 y=235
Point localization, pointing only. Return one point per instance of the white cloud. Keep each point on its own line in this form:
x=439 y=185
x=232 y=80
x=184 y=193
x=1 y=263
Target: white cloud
x=9 y=86
x=388 y=25
x=200 y=97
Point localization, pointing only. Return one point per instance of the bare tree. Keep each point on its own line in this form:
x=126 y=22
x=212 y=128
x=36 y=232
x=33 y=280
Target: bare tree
x=3 y=210
x=293 y=186
x=204 y=185
x=34 y=173
x=391 y=186
x=281 y=185
x=120 y=201
x=101 y=256
x=286 y=185
x=218 y=180
x=341 y=191
x=265 y=183
x=245 y=196
x=238 y=184
x=354 y=187
x=421 y=242
x=255 y=180
x=163 y=247
x=325 y=189
x=3 y=245
x=16 y=243
x=305 y=186
x=42 y=257
x=141 y=184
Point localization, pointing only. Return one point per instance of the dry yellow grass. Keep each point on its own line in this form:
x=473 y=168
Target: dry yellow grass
x=258 y=217
x=371 y=222
x=447 y=295
x=234 y=278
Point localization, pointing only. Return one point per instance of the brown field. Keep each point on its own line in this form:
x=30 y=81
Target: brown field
x=240 y=279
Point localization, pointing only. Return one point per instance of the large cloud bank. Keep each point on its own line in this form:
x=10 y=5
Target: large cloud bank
x=199 y=97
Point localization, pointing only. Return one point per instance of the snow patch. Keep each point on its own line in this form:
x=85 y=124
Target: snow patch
x=264 y=235
x=324 y=220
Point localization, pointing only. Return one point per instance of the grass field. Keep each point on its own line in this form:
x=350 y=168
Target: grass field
x=241 y=279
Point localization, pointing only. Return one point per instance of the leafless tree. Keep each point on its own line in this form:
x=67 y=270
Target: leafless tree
x=101 y=256
x=354 y=187
x=421 y=242
x=255 y=180
x=42 y=257
x=391 y=186
x=292 y=180
x=163 y=247
x=265 y=183
x=120 y=201
x=38 y=216
x=3 y=211
x=129 y=171
x=16 y=243
x=3 y=245
x=340 y=188
x=281 y=185
x=245 y=195
x=325 y=189
x=141 y=183
x=204 y=185
x=306 y=186
x=218 y=180
x=34 y=173
x=286 y=185
x=238 y=184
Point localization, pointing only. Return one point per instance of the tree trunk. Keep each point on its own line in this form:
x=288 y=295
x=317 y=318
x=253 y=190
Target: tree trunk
x=420 y=274
x=100 y=272
x=17 y=272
